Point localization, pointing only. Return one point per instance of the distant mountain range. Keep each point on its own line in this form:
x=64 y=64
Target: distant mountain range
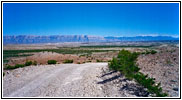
x=29 y=39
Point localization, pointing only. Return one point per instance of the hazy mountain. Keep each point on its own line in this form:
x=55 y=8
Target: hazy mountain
x=28 y=39
x=141 y=38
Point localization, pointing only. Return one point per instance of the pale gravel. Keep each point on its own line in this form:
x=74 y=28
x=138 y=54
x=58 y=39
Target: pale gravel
x=63 y=80
x=69 y=80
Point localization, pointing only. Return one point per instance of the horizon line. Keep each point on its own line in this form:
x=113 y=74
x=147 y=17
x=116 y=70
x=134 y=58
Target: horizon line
x=153 y=35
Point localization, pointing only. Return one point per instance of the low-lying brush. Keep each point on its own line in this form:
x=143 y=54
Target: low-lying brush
x=14 y=67
x=27 y=63
x=51 y=61
x=34 y=63
x=68 y=61
x=149 y=52
x=99 y=60
x=126 y=64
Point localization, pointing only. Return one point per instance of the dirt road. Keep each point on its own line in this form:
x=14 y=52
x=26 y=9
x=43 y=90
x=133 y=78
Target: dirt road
x=70 y=80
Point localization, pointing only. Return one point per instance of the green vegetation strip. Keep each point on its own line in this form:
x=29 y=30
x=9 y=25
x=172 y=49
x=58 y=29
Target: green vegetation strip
x=117 y=46
x=15 y=53
x=28 y=63
x=51 y=61
x=126 y=64
x=68 y=61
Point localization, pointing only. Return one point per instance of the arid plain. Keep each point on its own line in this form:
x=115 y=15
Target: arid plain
x=89 y=67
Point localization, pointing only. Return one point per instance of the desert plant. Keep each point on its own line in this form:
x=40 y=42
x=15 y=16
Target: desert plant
x=89 y=61
x=126 y=64
x=51 y=61
x=9 y=67
x=34 y=63
x=28 y=63
x=14 y=67
x=19 y=65
x=97 y=60
x=113 y=65
x=68 y=61
x=153 y=51
x=147 y=52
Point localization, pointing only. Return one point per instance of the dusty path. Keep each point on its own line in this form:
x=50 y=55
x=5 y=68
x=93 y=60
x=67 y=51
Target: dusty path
x=70 y=80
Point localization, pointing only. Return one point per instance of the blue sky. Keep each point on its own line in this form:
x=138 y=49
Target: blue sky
x=101 y=19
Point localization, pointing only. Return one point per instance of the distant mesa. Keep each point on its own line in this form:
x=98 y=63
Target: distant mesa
x=28 y=39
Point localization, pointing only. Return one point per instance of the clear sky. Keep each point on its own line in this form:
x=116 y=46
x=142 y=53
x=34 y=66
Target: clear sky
x=102 y=19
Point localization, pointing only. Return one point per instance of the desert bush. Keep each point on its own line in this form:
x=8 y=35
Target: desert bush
x=147 y=52
x=34 y=63
x=10 y=67
x=51 y=61
x=126 y=64
x=14 y=67
x=149 y=83
x=150 y=52
x=28 y=63
x=99 y=60
x=153 y=52
x=113 y=64
x=19 y=65
x=68 y=61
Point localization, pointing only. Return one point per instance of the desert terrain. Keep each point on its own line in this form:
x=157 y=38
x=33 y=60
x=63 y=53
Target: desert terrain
x=88 y=75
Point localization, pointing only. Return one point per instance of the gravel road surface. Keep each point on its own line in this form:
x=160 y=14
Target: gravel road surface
x=62 y=80
x=69 y=80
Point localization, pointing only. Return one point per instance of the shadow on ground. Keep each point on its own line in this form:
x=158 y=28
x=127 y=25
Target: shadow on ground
x=126 y=85
x=135 y=89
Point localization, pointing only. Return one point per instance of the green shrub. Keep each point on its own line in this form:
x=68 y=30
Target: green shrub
x=68 y=61
x=34 y=63
x=99 y=60
x=150 y=52
x=28 y=63
x=153 y=52
x=126 y=64
x=147 y=52
x=114 y=65
x=14 y=67
x=149 y=83
x=51 y=61
x=10 y=67
x=19 y=65
x=3 y=74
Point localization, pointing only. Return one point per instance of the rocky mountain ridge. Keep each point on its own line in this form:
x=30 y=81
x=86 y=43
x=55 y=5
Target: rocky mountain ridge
x=33 y=39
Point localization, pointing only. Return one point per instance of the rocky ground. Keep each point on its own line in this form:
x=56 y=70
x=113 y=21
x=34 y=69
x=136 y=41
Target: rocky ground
x=114 y=84
x=164 y=67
